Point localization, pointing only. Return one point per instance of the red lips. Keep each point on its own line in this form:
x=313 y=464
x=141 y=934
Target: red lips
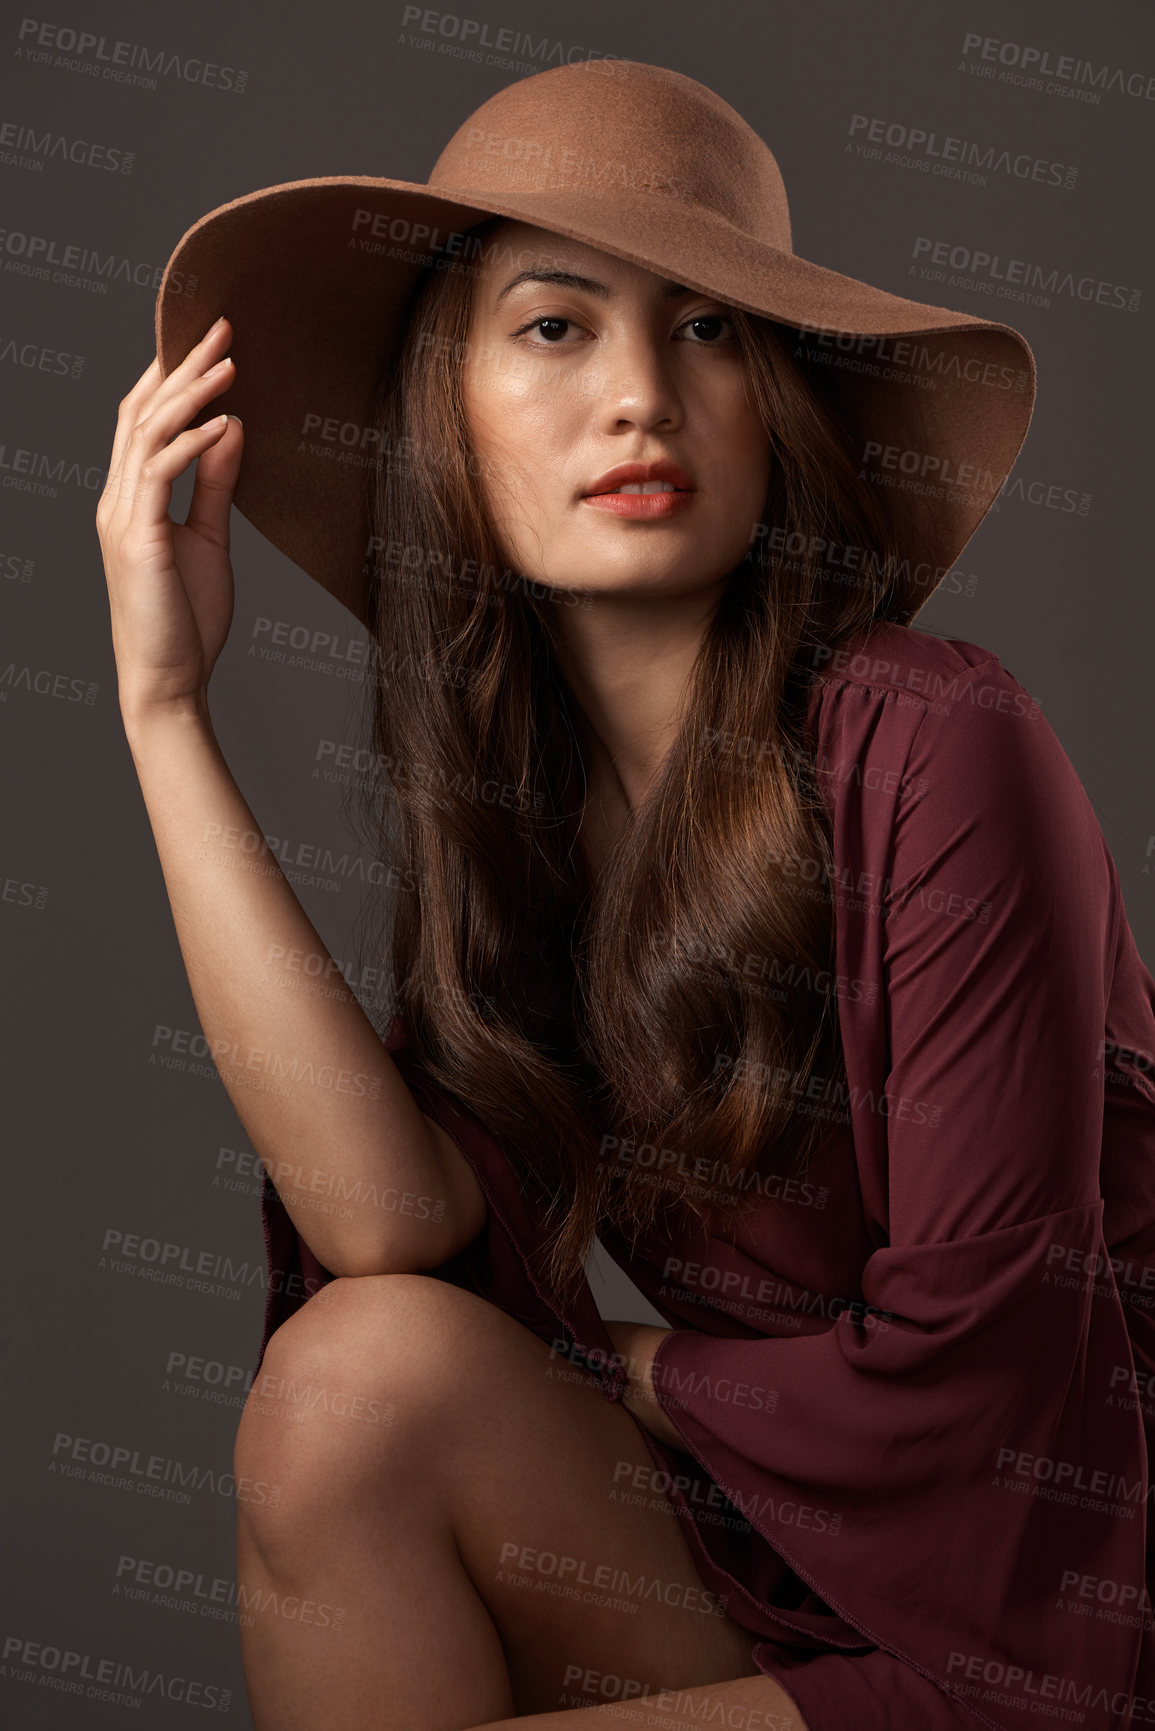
x=663 y=470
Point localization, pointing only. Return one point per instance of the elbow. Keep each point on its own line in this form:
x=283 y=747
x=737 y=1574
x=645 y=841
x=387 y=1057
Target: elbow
x=402 y=1253
x=352 y=1260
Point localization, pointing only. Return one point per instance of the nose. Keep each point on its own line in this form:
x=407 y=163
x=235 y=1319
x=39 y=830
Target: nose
x=638 y=386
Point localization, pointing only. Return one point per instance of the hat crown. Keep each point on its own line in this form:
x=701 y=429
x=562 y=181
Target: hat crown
x=609 y=126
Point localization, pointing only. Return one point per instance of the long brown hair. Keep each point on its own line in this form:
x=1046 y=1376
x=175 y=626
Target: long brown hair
x=585 y=1021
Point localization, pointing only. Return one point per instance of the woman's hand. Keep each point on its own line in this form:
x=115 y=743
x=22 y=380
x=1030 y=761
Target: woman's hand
x=170 y=585
x=636 y=1343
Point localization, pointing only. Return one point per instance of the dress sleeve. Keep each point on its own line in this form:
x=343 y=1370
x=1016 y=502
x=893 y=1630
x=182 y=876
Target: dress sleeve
x=961 y=1426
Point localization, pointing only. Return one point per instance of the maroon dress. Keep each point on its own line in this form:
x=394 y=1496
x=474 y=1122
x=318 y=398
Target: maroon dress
x=916 y=1391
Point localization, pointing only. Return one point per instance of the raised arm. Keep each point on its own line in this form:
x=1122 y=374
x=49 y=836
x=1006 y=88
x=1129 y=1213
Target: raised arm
x=371 y=1182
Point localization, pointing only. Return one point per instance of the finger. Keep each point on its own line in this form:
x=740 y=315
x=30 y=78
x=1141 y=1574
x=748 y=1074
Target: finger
x=153 y=494
x=150 y=389
x=215 y=483
x=126 y=418
x=132 y=404
x=157 y=428
x=200 y=357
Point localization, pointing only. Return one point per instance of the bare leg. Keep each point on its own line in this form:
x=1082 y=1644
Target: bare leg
x=746 y=1703
x=446 y=1512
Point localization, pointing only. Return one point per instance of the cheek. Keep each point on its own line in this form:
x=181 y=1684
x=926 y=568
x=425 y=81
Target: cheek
x=500 y=411
x=756 y=458
x=494 y=439
x=482 y=409
x=741 y=459
x=525 y=445
x=733 y=426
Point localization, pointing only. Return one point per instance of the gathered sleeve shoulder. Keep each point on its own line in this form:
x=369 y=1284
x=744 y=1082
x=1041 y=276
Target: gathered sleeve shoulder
x=959 y=1423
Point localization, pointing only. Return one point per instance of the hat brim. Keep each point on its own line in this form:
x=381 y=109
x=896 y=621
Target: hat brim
x=316 y=275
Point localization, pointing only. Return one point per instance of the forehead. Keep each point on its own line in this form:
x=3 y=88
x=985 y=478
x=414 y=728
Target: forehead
x=519 y=250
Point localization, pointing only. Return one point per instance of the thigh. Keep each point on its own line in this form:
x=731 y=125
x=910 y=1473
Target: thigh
x=747 y=1703
x=516 y=1453
x=871 y=1691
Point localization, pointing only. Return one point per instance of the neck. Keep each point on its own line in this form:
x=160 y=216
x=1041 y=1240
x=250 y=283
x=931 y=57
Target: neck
x=628 y=659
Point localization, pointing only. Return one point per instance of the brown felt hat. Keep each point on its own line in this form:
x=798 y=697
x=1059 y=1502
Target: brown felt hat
x=638 y=161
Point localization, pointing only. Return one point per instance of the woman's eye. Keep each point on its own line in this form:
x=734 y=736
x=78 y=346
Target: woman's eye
x=708 y=319
x=537 y=324
x=705 y=326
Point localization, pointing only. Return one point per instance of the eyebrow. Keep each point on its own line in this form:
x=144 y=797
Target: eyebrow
x=571 y=279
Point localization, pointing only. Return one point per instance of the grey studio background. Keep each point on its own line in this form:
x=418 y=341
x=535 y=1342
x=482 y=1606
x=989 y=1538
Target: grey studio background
x=102 y=1138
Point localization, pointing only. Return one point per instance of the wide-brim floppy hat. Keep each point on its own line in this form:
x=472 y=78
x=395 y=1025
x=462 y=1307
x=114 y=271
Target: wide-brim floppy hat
x=316 y=277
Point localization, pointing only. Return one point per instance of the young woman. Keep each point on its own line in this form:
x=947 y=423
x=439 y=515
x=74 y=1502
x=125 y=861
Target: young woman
x=734 y=921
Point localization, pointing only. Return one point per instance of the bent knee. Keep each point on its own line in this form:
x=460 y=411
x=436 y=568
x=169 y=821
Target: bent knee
x=382 y=1350
x=375 y=1323
x=346 y=1404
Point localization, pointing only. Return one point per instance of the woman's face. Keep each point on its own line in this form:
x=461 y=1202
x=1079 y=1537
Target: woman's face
x=566 y=380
